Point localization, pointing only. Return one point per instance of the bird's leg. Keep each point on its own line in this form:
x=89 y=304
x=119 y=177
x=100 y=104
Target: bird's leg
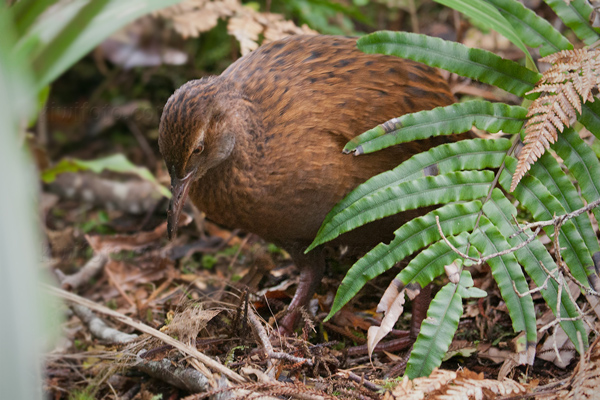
x=311 y=267
x=419 y=311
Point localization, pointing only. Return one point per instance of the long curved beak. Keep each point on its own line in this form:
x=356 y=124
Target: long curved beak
x=179 y=189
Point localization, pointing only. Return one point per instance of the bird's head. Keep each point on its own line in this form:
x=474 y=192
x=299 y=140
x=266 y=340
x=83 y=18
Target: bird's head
x=197 y=132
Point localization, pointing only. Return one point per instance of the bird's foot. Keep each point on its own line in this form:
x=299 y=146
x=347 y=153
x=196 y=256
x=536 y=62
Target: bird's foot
x=287 y=324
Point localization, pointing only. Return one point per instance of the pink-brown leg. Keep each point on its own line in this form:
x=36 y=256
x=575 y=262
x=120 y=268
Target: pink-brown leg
x=312 y=268
x=419 y=311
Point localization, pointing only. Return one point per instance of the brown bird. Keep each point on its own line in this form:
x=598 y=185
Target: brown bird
x=259 y=147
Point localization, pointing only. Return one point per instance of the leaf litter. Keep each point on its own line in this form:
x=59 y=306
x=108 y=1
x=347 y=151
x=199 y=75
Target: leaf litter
x=206 y=309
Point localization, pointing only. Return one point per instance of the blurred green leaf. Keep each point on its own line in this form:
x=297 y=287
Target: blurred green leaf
x=575 y=14
x=62 y=37
x=488 y=14
x=532 y=29
x=318 y=14
x=29 y=318
x=54 y=53
x=115 y=163
x=97 y=224
x=208 y=261
x=25 y=12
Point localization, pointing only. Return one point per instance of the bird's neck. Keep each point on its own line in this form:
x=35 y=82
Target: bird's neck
x=249 y=135
x=235 y=178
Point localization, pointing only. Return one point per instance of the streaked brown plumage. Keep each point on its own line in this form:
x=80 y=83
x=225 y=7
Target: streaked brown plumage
x=259 y=147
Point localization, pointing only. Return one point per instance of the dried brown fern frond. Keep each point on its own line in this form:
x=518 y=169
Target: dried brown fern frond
x=247 y=27
x=450 y=385
x=192 y=17
x=564 y=87
x=584 y=381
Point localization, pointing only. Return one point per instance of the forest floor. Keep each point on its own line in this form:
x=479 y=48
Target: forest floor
x=220 y=293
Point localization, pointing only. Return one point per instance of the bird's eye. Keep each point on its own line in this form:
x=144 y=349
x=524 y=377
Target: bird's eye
x=198 y=149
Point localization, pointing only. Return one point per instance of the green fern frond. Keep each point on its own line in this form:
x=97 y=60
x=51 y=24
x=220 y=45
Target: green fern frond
x=463 y=155
x=533 y=30
x=549 y=172
x=456 y=118
x=501 y=213
x=506 y=271
x=440 y=175
x=537 y=199
x=422 y=192
x=575 y=14
x=478 y=64
x=438 y=329
x=410 y=237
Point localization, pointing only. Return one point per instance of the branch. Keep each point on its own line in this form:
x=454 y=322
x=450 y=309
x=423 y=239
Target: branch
x=85 y=274
x=482 y=260
x=187 y=379
x=98 y=327
x=557 y=219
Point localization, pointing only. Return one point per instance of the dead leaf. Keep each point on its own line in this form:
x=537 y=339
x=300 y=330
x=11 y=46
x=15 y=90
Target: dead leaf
x=453 y=271
x=136 y=241
x=392 y=304
x=188 y=323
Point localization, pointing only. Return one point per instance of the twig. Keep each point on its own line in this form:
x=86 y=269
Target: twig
x=87 y=272
x=216 y=366
x=266 y=343
x=557 y=219
x=98 y=328
x=238 y=251
x=482 y=260
x=558 y=301
x=262 y=335
x=112 y=389
x=360 y=380
x=393 y=345
x=414 y=19
x=187 y=379
x=532 y=291
x=113 y=281
x=587 y=290
x=96 y=325
x=285 y=356
x=142 y=141
x=158 y=290
x=516 y=140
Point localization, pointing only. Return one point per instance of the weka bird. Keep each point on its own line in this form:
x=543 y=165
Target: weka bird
x=260 y=146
